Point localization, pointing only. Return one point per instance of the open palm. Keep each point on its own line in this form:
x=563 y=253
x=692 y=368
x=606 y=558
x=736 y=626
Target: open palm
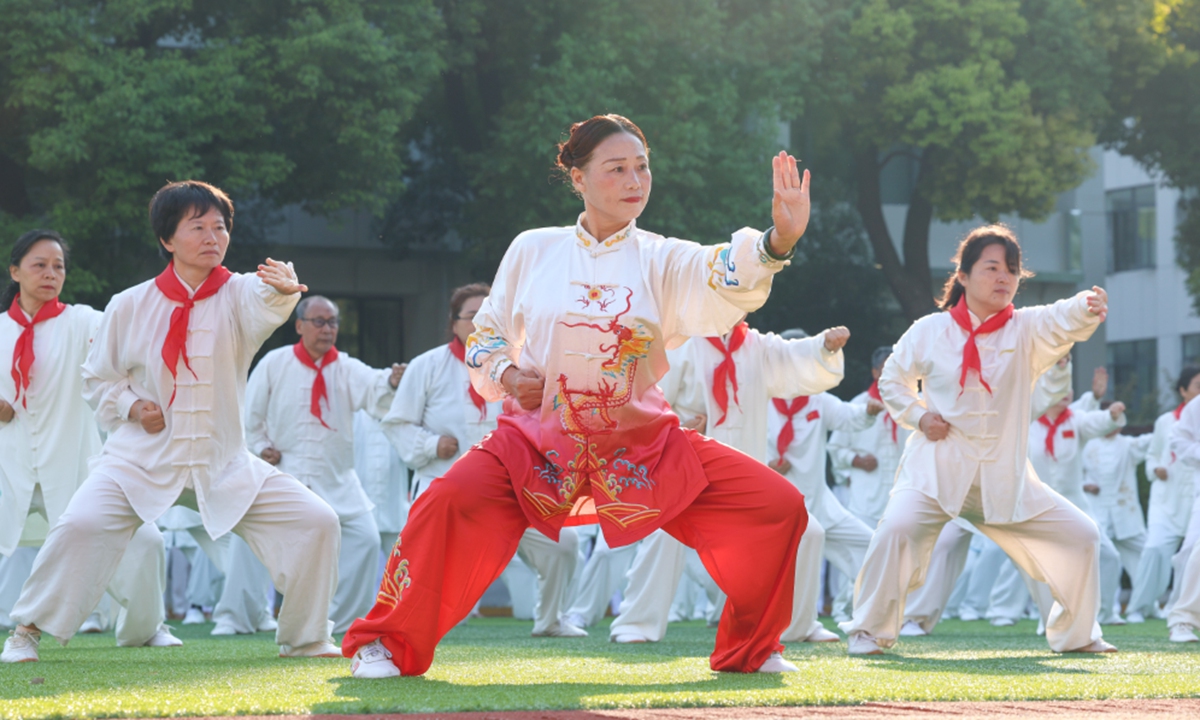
x=790 y=205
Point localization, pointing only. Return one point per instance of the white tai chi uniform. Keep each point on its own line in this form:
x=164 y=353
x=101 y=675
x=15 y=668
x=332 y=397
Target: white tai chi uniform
x=434 y=400
x=1185 y=446
x=384 y=478
x=321 y=454
x=1167 y=518
x=980 y=471
x=843 y=539
x=604 y=574
x=767 y=366
x=1111 y=463
x=44 y=453
x=138 y=476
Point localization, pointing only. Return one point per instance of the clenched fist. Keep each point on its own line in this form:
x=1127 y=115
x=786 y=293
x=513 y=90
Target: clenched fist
x=526 y=386
x=149 y=415
x=835 y=338
x=934 y=426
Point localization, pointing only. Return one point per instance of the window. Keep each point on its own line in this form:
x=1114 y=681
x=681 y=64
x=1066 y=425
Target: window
x=1133 y=375
x=1131 y=228
x=1191 y=349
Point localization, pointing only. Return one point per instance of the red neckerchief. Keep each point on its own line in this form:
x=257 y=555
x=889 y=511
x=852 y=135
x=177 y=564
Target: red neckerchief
x=873 y=393
x=727 y=370
x=787 y=433
x=1063 y=416
x=970 y=350
x=1179 y=410
x=458 y=350
x=318 y=388
x=22 y=359
x=175 y=344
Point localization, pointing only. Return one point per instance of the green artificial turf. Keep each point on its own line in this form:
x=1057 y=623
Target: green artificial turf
x=493 y=664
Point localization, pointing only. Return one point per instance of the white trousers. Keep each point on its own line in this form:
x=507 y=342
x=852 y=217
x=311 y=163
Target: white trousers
x=947 y=563
x=554 y=564
x=14 y=571
x=603 y=575
x=844 y=544
x=246 y=602
x=99 y=542
x=983 y=577
x=1009 y=599
x=654 y=577
x=1154 y=568
x=357 y=565
x=1116 y=555
x=1185 y=598
x=1059 y=547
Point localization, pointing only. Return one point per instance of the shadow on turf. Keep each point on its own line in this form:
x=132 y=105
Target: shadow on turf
x=986 y=666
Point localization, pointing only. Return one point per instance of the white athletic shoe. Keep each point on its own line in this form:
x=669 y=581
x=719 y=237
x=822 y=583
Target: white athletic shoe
x=163 y=638
x=1002 y=622
x=21 y=646
x=1180 y=633
x=823 y=635
x=968 y=614
x=267 y=624
x=862 y=643
x=222 y=629
x=776 y=664
x=373 y=662
x=1135 y=618
x=629 y=637
x=194 y=616
x=1041 y=629
x=93 y=624
x=1099 y=646
x=912 y=628
x=1114 y=619
x=577 y=620
x=319 y=649
x=561 y=629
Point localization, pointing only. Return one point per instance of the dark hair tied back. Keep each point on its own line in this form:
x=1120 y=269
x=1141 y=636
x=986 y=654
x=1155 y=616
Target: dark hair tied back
x=971 y=249
x=20 y=249
x=576 y=151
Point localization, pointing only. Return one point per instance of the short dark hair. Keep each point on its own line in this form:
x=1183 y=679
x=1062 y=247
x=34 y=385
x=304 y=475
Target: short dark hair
x=584 y=136
x=177 y=201
x=969 y=251
x=1185 y=376
x=880 y=356
x=460 y=296
x=20 y=249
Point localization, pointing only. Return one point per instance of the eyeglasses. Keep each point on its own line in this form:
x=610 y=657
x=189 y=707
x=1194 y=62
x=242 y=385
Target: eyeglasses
x=465 y=317
x=322 y=322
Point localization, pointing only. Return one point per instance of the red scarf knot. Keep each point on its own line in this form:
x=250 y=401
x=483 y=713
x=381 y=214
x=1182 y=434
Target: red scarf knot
x=22 y=360
x=1064 y=416
x=458 y=350
x=727 y=370
x=175 y=344
x=873 y=393
x=1179 y=410
x=319 y=391
x=970 y=350
x=789 y=410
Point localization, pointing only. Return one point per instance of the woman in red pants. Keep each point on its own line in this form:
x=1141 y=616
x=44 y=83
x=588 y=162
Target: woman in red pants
x=574 y=338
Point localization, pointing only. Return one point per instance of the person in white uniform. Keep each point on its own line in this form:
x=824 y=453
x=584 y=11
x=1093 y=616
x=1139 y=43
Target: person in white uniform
x=300 y=405
x=1183 y=615
x=48 y=433
x=436 y=416
x=1110 y=478
x=976 y=365
x=730 y=381
x=1169 y=509
x=798 y=428
x=166 y=374
x=384 y=477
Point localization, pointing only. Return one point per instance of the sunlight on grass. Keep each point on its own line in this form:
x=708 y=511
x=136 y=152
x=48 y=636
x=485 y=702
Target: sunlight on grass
x=493 y=664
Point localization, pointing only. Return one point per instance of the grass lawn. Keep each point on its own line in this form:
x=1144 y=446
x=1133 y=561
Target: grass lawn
x=493 y=664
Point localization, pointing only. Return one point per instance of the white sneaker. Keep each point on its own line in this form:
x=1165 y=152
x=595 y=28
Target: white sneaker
x=319 y=649
x=776 y=664
x=1041 y=630
x=93 y=624
x=1002 y=622
x=21 y=646
x=862 y=643
x=968 y=614
x=1180 y=633
x=163 y=638
x=562 y=629
x=1135 y=618
x=222 y=629
x=823 y=635
x=912 y=628
x=577 y=620
x=629 y=637
x=194 y=616
x=1113 y=619
x=267 y=624
x=372 y=662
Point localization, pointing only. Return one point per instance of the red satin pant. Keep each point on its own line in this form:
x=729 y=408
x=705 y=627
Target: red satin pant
x=464 y=529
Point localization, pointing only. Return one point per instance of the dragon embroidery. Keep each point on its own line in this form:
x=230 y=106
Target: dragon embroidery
x=395 y=579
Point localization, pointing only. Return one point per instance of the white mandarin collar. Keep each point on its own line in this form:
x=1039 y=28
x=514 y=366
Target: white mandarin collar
x=596 y=247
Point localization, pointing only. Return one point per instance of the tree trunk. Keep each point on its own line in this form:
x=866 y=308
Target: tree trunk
x=909 y=280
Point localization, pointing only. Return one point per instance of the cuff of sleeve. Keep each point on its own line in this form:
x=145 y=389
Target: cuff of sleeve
x=258 y=447
x=431 y=445
x=497 y=372
x=125 y=402
x=767 y=251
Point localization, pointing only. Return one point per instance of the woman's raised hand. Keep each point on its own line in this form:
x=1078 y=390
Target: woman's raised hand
x=790 y=205
x=1098 y=302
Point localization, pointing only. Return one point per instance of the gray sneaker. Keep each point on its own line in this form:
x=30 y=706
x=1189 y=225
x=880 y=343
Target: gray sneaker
x=21 y=646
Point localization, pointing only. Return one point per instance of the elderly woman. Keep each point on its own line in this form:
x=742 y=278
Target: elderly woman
x=574 y=338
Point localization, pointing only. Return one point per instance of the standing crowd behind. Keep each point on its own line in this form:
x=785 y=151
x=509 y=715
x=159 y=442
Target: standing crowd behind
x=145 y=468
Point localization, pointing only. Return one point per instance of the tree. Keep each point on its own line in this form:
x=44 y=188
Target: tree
x=994 y=102
x=275 y=101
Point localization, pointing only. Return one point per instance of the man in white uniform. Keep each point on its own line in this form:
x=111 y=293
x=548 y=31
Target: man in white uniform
x=730 y=381
x=1183 y=617
x=166 y=374
x=300 y=405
